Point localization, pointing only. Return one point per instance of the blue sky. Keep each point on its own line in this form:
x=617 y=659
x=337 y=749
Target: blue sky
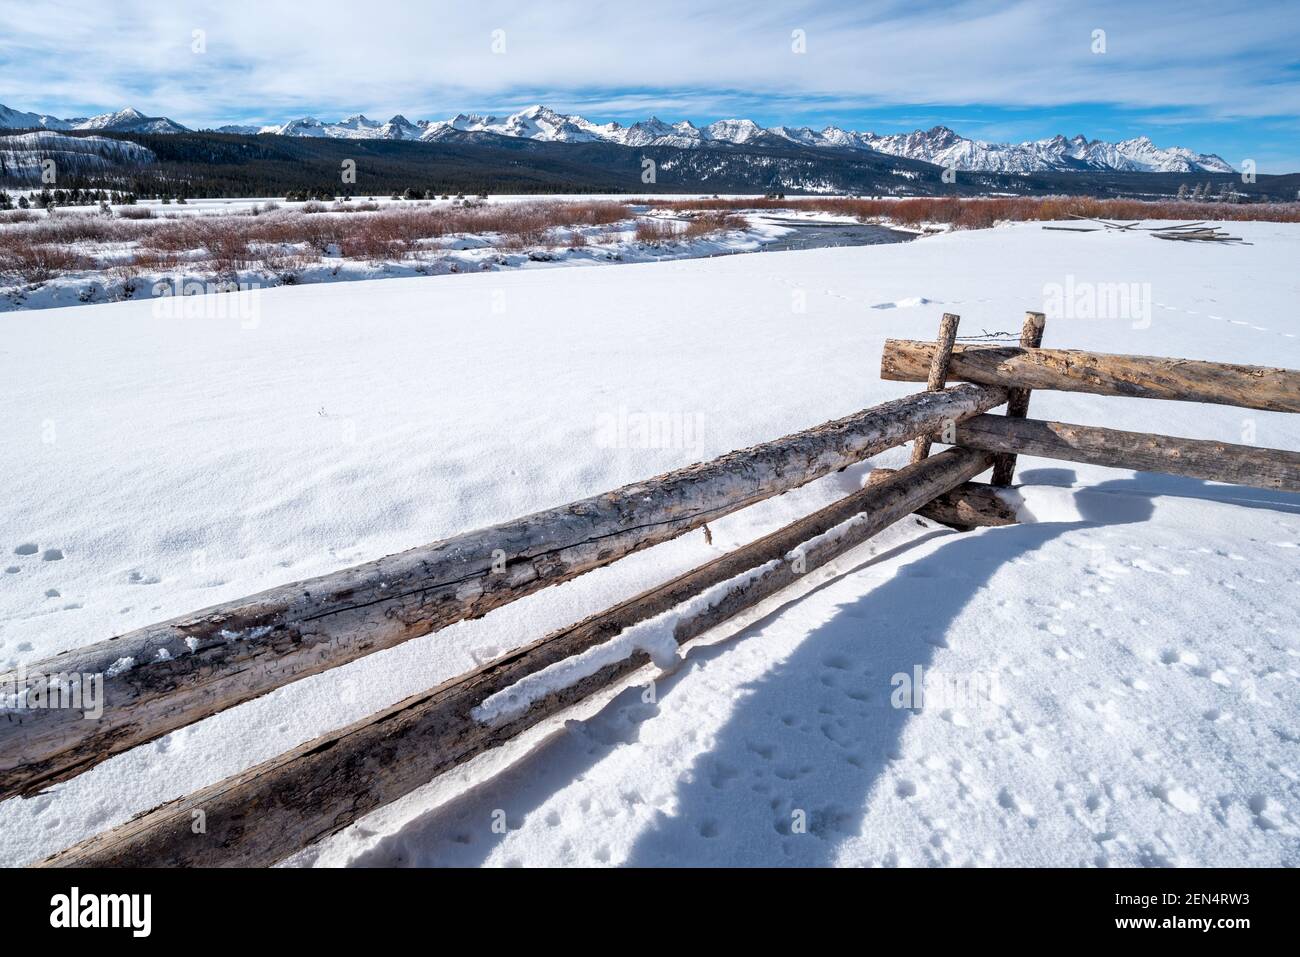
x=1210 y=76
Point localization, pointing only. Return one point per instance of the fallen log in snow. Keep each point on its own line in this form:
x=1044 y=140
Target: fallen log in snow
x=165 y=676
x=1212 y=461
x=1069 y=370
x=263 y=814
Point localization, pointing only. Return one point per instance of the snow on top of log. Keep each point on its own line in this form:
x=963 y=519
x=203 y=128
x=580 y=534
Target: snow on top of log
x=655 y=636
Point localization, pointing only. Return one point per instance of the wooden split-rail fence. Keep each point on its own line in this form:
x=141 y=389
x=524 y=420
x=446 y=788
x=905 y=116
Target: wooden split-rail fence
x=184 y=670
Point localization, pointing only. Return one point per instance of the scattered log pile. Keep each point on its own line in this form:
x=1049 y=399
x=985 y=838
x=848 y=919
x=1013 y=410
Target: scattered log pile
x=1204 y=235
x=1186 y=232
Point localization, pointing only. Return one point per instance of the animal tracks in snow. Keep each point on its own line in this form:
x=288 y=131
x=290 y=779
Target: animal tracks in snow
x=1218 y=318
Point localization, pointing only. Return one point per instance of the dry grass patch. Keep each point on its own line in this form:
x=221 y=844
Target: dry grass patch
x=229 y=242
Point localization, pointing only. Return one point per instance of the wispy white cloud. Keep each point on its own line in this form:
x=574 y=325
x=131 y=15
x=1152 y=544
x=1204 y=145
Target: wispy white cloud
x=267 y=60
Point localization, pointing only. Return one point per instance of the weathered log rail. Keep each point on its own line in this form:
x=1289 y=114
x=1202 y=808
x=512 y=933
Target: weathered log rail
x=231 y=653
x=228 y=654
x=1068 y=370
x=1139 y=451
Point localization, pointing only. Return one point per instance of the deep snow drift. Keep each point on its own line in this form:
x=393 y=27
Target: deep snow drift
x=1137 y=634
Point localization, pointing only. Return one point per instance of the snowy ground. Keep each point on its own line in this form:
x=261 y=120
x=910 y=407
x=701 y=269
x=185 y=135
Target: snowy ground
x=1141 y=629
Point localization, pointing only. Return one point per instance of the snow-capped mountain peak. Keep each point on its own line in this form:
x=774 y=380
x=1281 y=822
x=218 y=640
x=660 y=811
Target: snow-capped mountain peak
x=128 y=120
x=733 y=131
x=399 y=128
x=107 y=120
x=357 y=121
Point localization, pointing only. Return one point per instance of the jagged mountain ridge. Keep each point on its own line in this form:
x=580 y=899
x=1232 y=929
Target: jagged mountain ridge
x=938 y=145
x=129 y=120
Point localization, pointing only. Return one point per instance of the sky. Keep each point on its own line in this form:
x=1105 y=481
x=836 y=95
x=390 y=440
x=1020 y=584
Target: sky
x=1214 y=77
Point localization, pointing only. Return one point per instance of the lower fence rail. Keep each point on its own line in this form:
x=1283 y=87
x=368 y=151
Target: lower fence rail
x=1140 y=451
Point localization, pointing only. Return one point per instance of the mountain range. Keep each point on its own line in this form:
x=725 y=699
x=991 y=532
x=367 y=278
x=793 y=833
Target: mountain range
x=938 y=145
x=123 y=121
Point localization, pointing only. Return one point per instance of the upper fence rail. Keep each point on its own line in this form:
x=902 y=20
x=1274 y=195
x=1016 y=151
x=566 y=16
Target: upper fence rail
x=1070 y=370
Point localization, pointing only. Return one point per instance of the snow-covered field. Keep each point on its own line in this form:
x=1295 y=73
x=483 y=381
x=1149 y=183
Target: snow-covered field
x=1137 y=632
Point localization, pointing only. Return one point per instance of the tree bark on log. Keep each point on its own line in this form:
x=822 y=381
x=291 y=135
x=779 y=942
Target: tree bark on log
x=938 y=377
x=969 y=505
x=1031 y=337
x=264 y=814
x=1140 y=451
x=165 y=676
x=1069 y=370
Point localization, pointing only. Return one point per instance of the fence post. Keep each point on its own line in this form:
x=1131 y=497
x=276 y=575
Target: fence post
x=1031 y=337
x=938 y=375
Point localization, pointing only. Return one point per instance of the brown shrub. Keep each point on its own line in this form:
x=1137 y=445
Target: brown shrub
x=656 y=231
x=154 y=260
x=373 y=238
x=351 y=207
x=318 y=232
x=67 y=229
x=225 y=243
x=286 y=264
x=713 y=221
x=41 y=263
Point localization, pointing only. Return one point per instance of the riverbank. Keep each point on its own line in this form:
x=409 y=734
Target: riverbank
x=83 y=256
